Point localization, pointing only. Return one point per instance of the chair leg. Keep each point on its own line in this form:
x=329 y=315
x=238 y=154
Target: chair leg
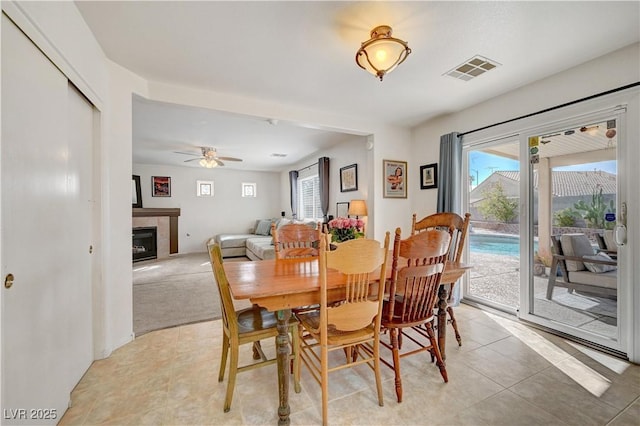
x=223 y=359
x=295 y=350
x=324 y=383
x=454 y=324
x=233 y=371
x=256 y=350
x=396 y=362
x=436 y=351
x=376 y=369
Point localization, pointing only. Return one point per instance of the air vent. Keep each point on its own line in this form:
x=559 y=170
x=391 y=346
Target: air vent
x=275 y=154
x=472 y=68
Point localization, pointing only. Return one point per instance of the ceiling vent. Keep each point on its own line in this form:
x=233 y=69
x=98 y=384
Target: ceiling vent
x=472 y=68
x=278 y=155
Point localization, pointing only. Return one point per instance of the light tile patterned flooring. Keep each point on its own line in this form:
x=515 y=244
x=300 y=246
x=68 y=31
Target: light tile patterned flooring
x=504 y=374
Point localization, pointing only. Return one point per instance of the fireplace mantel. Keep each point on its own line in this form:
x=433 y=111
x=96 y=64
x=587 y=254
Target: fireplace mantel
x=158 y=213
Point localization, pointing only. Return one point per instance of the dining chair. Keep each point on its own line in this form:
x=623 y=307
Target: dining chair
x=348 y=320
x=458 y=229
x=295 y=240
x=416 y=271
x=245 y=326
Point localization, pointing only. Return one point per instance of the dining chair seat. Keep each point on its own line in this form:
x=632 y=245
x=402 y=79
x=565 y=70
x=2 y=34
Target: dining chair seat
x=255 y=320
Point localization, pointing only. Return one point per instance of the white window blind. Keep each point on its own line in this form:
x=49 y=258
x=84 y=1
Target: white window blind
x=309 y=194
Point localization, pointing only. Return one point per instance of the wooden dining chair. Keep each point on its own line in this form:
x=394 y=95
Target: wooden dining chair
x=245 y=326
x=457 y=227
x=347 y=321
x=417 y=266
x=295 y=240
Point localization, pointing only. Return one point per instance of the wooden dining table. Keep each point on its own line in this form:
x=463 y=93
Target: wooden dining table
x=280 y=285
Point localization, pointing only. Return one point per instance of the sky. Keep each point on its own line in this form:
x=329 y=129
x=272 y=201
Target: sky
x=481 y=165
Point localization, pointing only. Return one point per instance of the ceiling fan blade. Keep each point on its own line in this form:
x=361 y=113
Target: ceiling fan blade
x=229 y=158
x=217 y=160
x=191 y=159
x=186 y=153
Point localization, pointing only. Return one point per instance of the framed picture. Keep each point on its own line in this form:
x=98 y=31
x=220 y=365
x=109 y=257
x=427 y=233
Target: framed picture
x=136 y=192
x=395 y=179
x=429 y=176
x=161 y=186
x=204 y=188
x=249 y=189
x=349 y=178
x=342 y=209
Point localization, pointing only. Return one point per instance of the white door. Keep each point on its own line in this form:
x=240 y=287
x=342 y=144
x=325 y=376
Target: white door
x=46 y=155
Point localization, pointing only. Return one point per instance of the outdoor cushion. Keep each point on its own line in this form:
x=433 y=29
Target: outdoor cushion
x=599 y=268
x=604 y=280
x=610 y=241
x=576 y=245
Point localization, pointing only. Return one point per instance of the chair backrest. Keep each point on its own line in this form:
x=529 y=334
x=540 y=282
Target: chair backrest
x=229 y=319
x=295 y=240
x=363 y=262
x=452 y=223
x=413 y=291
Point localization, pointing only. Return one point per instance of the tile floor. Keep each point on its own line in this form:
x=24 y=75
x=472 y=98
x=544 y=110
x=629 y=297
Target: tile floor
x=504 y=374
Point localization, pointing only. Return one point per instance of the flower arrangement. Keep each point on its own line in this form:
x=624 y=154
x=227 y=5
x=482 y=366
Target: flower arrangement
x=345 y=228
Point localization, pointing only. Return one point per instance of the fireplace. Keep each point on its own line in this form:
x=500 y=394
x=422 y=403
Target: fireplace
x=145 y=244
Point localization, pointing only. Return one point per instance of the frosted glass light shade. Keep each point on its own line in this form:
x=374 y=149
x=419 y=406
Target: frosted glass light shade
x=382 y=53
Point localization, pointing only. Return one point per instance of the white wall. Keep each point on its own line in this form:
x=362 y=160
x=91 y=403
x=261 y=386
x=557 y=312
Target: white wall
x=203 y=217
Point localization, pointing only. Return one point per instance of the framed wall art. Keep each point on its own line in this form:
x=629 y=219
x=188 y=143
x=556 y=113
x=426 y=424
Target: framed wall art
x=395 y=179
x=342 y=209
x=161 y=186
x=429 y=176
x=249 y=189
x=136 y=192
x=349 y=178
x=204 y=188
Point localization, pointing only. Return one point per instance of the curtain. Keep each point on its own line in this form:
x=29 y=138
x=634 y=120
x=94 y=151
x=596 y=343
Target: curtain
x=449 y=188
x=323 y=179
x=450 y=180
x=293 y=184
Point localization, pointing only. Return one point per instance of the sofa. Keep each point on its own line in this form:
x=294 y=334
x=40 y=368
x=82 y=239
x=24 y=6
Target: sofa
x=257 y=245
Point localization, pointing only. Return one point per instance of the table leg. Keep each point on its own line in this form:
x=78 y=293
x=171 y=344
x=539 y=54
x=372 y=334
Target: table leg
x=282 y=351
x=442 y=320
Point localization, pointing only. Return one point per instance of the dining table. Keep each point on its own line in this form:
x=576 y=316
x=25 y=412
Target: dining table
x=280 y=285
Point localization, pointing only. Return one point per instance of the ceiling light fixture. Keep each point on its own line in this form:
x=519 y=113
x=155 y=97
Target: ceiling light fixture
x=209 y=163
x=382 y=53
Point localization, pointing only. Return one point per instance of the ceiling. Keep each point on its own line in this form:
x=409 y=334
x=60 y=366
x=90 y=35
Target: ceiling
x=303 y=54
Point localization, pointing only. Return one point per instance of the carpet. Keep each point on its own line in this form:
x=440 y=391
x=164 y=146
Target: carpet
x=175 y=291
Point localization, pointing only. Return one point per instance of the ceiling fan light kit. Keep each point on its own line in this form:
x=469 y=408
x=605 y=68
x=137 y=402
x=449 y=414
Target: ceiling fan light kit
x=382 y=53
x=210 y=158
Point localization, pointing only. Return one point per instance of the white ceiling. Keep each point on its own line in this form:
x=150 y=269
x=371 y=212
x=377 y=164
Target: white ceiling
x=303 y=53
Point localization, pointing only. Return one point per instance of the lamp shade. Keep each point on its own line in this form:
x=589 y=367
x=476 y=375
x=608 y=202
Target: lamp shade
x=382 y=53
x=357 y=208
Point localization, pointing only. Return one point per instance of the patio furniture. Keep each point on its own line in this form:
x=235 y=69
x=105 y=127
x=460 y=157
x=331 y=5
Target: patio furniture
x=580 y=267
x=607 y=243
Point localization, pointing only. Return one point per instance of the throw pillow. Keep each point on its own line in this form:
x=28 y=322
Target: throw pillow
x=264 y=227
x=599 y=268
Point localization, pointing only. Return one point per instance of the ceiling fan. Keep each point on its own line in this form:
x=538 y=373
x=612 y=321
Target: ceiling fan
x=209 y=158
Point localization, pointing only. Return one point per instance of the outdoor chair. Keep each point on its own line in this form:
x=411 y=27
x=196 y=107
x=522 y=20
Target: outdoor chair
x=417 y=266
x=245 y=326
x=580 y=267
x=457 y=227
x=607 y=243
x=351 y=321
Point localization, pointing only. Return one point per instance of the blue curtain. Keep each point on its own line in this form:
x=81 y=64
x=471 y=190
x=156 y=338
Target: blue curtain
x=449 y=188
x=293 y=185
x=450 y=170
x=323 y=183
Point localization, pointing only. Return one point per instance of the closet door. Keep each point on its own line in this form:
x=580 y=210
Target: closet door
x=46 y=163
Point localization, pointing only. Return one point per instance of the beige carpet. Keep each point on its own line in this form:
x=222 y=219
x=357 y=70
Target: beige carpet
x=175 y=291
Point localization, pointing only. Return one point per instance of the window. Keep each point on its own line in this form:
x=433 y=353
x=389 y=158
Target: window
x=309 y=196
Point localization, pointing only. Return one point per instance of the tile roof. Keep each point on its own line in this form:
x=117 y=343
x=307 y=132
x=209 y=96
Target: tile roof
x=572 y=183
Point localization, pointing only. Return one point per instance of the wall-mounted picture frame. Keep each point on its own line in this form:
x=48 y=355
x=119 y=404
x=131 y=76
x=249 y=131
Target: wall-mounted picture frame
x=342 y=209
x=136 y=192
x=349 y=178
x=249 y=189
x=395 y=179
x=429 y=176
x=204 y=188
x=160 y=186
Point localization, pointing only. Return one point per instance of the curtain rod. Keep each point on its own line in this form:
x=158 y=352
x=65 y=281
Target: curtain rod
x=307 y=167
x=597 y=95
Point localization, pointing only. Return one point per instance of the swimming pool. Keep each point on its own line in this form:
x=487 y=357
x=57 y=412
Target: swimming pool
x=508 y=245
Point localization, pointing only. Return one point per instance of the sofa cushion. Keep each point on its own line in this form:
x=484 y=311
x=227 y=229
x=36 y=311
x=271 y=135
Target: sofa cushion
x=599 y=268
x=232 y=240
x=576 y=245
x=260 y=248
x=263 y=227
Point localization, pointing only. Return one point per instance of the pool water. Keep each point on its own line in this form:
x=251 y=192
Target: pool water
x=507 y=245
